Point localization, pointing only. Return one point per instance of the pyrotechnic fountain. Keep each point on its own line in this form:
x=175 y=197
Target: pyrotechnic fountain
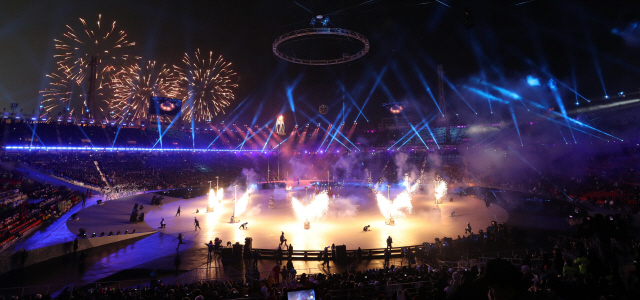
x=395 y=209
x=220 y=195
x=440 y=188
x=240 y=206
x=315 y=208
x=214 y=199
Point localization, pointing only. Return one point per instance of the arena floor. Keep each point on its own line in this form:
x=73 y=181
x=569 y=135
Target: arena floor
x=342 y=224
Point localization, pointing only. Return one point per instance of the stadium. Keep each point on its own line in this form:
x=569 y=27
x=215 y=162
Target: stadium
x=356 y=150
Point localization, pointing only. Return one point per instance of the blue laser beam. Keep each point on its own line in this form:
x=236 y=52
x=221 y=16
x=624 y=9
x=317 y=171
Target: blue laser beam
x=373 y=88
x=427 y=88
x=515 y=122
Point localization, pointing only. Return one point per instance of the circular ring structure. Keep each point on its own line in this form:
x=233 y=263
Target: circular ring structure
x=320 y=31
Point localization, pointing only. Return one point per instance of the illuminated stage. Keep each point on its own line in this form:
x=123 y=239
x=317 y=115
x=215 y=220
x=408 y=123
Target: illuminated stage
x=342 y=224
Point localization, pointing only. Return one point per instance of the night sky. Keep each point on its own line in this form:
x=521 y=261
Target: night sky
x=564 y=39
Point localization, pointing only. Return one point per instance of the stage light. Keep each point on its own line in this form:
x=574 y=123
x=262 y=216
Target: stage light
x=532 y=81
x=606 y=96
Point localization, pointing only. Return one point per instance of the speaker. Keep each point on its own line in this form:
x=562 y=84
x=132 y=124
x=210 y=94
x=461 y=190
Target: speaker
x=238 y=249
x=226 y=253
x=248 y=246
x=341 y=252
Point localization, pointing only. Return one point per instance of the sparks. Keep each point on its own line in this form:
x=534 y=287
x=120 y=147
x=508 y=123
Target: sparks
x=313 y=210
x=242 y=203
x=440 y=187
x=101 y=47
x=397 y=208
x=208 y=86
x=133 y=86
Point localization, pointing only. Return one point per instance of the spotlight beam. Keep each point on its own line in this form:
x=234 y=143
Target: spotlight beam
x=353 y=101
x=540 y=173
x=81 y=130
x=177 y=117
x=334 y=125
x=556 y=95
x=249 y=137
x=289 y=90
x=434 y=67
x=265 y=143
x=33 y=133
x=232 y=120
x=563 y=124
x=565 y=140
x=354 y=145
x=505 y=92
x=432 y=136
x=373 y=88
x=488 y=96
x=414 y=130
x=497 y=131
x=515 y=122
x=427 y=88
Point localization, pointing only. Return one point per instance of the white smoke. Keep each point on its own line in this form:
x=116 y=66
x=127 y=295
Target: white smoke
x=254 y=211
x=300 y=167
x=250 y=175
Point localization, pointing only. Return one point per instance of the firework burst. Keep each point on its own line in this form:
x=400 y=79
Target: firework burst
x=94 y=45
x=58 y=94
x=208 y=84
x=132 y=87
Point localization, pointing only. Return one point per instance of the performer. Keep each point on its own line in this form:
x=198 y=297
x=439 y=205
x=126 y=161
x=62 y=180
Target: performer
x=389 y=242
x=178 y=212
x=366 y=228
x=210 y=248
x=180 y=242
x=196 y=223
x=282 y=239
x=468 y=229
x=243 y=226
x=162 y=224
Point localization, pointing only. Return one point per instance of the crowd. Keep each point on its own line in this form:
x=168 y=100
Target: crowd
x=117 y=173
x=25 y=204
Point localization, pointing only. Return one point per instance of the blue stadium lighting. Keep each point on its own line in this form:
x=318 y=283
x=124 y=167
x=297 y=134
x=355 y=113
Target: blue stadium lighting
x=532 y=81
x=515 y=122
x=488 y=96
x=290 y=97
x=427 y=88
x=606 y=96
x=375 y=85
x=111 y=149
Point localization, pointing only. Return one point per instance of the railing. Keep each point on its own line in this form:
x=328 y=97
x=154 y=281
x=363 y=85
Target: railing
x=371 y=292
x=270 y=254
x=512 y=253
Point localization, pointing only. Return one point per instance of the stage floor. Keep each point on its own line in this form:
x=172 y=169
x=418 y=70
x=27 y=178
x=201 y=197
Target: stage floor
x=342 y=224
